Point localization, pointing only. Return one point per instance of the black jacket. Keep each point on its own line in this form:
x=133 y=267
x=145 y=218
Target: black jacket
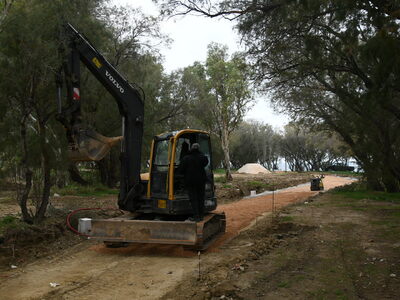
x=192 y=168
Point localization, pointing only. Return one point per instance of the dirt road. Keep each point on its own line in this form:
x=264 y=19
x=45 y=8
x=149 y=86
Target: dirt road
x=91 y=271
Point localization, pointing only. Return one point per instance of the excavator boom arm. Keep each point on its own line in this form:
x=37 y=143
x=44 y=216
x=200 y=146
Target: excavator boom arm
x=130 y=103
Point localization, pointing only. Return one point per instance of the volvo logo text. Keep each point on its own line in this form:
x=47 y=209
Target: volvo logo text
x=117 y=85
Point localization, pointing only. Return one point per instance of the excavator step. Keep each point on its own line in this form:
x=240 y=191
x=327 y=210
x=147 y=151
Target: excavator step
x=195 y=235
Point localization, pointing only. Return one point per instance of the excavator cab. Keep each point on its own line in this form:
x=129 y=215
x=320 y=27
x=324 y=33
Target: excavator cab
x=166 y=192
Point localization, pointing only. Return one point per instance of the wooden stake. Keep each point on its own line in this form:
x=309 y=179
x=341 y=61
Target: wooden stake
x=199 y=274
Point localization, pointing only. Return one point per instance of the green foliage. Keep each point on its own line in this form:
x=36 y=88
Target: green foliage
x=220 y=93
x=306 y=150
x=255 y=142
x=344 y=173
x=32 y=141
x=29 y=43
x=330 y=64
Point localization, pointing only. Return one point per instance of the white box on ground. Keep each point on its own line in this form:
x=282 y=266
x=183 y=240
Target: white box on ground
x=85 y=225
x=253 y=193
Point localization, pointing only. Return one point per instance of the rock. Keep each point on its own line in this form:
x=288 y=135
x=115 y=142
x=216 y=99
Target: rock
x=54 y=284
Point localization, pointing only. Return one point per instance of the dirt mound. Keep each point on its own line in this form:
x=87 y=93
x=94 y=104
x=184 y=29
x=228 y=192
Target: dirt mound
x=253 y=169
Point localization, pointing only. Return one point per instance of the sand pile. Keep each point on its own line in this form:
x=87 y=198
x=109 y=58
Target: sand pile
x=253 y=169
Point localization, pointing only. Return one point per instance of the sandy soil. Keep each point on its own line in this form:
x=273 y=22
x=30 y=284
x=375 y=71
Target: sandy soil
x=91 y=271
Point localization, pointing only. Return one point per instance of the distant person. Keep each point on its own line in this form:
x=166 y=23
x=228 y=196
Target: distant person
x=192 y=167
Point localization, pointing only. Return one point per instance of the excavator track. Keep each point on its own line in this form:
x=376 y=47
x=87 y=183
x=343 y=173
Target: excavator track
x=193 y=235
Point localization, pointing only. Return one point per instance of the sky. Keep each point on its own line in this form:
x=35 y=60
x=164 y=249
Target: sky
x=191 y=35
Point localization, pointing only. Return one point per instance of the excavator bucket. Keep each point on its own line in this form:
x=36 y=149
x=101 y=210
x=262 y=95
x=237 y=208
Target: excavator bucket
x=91 y=145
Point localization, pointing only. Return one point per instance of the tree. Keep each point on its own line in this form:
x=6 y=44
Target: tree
x=224 y=87
x=308 y=150
x=255 y=142
x=5 y=6
x=328 y=63
x=28 y=57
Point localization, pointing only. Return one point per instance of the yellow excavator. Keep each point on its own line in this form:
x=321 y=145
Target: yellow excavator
x=157 y=207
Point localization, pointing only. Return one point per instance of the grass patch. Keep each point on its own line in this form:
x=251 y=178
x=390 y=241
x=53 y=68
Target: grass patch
x=222 y=171
x=10 y=222
x=357 y=191
x=371 y=195
x=283 y=284
x=286 y=219
x=86 y=191
x=257 y=184
x=220 y=179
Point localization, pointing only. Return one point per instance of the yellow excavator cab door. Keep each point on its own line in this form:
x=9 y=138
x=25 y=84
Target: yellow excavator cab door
x=90 y=145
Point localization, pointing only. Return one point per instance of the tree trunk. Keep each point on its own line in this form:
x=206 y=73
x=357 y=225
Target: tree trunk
x=225 y=149
x=102 y=167
x=46 y=174
x=108 y=170
x=24 y=195
x=74 y=174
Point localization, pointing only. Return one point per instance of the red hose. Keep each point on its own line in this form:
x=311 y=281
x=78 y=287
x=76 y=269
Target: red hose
x=80 y=209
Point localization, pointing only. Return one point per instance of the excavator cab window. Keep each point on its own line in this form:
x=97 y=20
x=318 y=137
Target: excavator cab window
x=159 y=174
x=183 y=145
x=205 y=148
